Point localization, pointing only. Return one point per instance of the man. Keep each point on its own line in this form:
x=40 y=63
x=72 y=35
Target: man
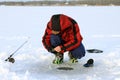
x=62 y=34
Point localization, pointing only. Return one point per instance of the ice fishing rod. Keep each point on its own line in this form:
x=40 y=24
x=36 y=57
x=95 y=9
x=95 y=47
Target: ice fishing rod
x=12 y=60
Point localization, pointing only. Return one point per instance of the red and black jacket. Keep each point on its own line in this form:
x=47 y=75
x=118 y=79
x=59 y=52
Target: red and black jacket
x=69 y=31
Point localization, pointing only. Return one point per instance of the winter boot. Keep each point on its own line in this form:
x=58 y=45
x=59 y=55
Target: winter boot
x=89 y=63
x=58 y=58
x=72 y=59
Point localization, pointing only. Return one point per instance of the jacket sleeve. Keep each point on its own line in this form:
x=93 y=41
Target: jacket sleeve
x=75 y=39
x=46 y=37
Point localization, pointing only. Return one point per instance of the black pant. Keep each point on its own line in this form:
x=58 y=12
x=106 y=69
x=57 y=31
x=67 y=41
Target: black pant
x=78 y=52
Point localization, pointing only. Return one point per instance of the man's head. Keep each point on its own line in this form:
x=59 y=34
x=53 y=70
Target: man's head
x=56 y=23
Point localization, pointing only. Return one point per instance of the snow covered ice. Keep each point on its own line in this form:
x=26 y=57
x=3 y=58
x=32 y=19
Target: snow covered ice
x=100 y=29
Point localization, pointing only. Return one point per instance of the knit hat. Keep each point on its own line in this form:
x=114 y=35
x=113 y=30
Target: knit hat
x=56 y=22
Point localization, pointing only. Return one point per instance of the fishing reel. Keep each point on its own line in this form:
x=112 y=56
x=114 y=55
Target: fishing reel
x=10 y=59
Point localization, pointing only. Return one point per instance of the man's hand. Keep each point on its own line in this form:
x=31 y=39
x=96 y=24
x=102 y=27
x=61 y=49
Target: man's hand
x=57 y=49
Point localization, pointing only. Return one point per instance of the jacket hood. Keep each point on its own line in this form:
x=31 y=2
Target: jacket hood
x=60 y=22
